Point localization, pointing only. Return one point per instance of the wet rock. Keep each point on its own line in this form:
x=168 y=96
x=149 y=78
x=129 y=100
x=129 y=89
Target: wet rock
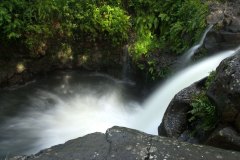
x=217 y=41
x=237 y=123
x=229 y=114
x=121 y=143
x=226 y=33
x=232 y=16
x=175 y=119
x=161 y=130
x=226 y=138
x=127 y=143
x=93 y=146
x=186 y=136
x=224 y=91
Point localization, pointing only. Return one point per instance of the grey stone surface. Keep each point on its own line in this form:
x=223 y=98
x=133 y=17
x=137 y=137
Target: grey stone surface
x=226 y=17
x=92 y=146
x=127 y=144
x=225 y=137
x=224 y=91
x=175 y=119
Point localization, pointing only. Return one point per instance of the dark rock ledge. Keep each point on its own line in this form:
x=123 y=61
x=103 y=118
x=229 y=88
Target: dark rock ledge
x=127 y=144
x=224 y=93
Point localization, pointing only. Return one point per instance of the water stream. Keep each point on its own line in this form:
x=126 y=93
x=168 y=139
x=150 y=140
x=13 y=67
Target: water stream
x=157 y=103
x=126 y=69
x=69 y=105
x=186 y=57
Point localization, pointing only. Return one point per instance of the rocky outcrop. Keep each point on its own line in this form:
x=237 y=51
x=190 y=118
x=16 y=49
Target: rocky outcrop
x=225 y=137
x=224 y=93
x=127 y=144
x=175 y=123
x=226 y=33
x=175 y=120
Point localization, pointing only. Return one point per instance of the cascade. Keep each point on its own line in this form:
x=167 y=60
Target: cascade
x=190 y=52
x=63 y=107
x=126 y=63
x=157 y=103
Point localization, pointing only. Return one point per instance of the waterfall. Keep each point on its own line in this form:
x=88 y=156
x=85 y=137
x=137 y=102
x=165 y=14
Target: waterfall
x=158 y=102
x=64 y=107
x=189 y=53
x=125 y=63
x=92 y=103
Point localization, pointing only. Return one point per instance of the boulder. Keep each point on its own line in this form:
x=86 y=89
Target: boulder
x=232 y=16
x=127 y=144
x=175 y=120
x=226 y=138
x=226 y=34
x=217 y=41
x=224 y=91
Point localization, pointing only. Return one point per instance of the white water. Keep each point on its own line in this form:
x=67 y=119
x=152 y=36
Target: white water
x=52 y=118
x=156 y=105
x=188 y=55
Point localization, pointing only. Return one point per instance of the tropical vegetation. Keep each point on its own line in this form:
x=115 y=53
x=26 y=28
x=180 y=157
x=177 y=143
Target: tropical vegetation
x=53 y=27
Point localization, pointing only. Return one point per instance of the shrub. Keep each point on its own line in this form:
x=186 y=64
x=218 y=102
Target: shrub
x=165 y=26
x=37 y=22
x=176 y=24
x=210 y=79
x=203 y=112
x=40 y=25
x=113 y=21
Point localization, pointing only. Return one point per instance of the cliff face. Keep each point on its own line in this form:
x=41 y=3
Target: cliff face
x=127 y=144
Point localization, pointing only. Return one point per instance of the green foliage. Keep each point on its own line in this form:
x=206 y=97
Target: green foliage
x=177 y=24
x=144 y=43
x=111 y=20
x=40 y=25
x=65 y=53
x=210 y=79
x=169 y=26
x=41 y=21
x=202 y=109
x=10 y=23
x=149 y=67
x=204 y=112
